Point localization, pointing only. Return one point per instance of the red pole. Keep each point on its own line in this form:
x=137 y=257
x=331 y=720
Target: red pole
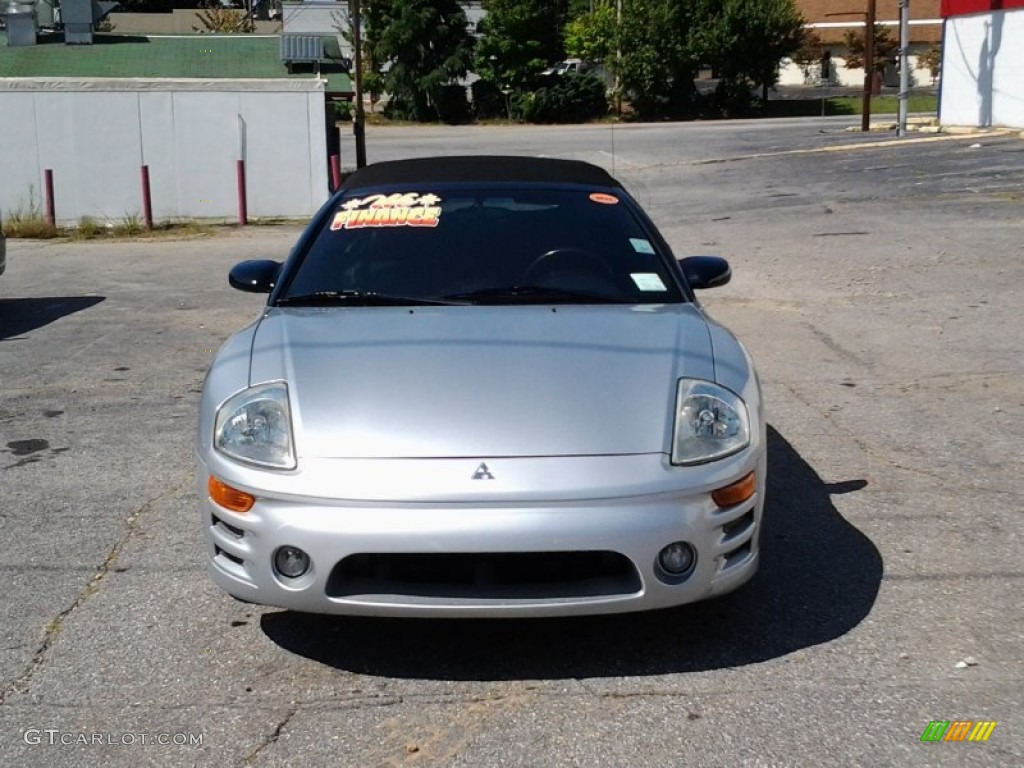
x=51 y=217
x=335 y=172
x=243 y=211
x=147 y=200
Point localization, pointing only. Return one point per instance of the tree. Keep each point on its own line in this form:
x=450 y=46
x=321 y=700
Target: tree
x=811 y=51
x=932 y=61
x=593 y=35
x=658 y=61
x=519 y=38
x=217 y=19
x=420 y=47
x=885 y=48
x=745 y=40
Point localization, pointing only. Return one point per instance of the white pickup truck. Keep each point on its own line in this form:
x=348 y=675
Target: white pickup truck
x=567 y=67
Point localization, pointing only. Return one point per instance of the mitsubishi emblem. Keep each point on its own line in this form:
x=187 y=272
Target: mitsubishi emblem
x=483 y=473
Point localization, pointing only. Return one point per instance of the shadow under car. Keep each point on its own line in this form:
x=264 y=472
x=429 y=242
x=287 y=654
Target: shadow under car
x=818 y=579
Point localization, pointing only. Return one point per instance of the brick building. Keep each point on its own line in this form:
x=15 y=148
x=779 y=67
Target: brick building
x=832 y=19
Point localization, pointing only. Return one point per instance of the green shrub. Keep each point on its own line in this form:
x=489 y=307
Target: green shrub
x=488 y=101
x=570 y=99
x=341 y=111
x=399 y=109
x=734 y=97
x=452 y=105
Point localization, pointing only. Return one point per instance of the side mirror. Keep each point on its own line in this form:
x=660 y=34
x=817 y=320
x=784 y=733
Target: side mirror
x=257 y=276
x=705 y=271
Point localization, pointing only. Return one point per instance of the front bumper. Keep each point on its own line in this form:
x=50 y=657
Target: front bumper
x=536 y=544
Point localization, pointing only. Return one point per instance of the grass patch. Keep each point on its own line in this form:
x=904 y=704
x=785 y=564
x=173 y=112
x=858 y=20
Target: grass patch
x=275 y=221
x=27 y=220
x=36 y=228
x=87 y=229
x=847 y=105
x=130 y=226
x=888 y=104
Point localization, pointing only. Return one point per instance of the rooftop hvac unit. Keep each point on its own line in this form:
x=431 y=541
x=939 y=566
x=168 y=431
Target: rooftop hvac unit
x=21 y=23
x=302 y=48
x=80 y=17
x=45 y=13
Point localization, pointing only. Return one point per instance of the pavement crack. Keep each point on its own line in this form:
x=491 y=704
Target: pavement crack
x=53 y=628
x=272 y=737
x=943 y=481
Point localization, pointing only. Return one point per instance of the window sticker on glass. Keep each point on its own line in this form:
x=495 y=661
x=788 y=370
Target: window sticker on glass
x=648 y=281
x=641 y=246
x=409 y=209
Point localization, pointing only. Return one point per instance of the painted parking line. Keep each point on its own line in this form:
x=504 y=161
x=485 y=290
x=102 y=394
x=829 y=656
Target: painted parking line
x=859 y=145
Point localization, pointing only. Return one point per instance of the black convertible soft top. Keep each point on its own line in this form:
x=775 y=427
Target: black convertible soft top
x=480 y=168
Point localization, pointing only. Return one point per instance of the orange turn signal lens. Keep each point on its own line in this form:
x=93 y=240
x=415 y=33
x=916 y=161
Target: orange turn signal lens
x=735 y=493
x=228 y=497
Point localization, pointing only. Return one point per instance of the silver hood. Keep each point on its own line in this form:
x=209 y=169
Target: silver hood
x=475 y=381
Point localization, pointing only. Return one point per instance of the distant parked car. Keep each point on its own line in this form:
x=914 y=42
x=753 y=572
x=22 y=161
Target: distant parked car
x=481 y=387
x=567 y=67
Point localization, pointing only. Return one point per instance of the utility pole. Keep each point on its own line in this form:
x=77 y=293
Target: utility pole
x=618 y=58
x=359 y=124
x=869 y=66
x=904 y=66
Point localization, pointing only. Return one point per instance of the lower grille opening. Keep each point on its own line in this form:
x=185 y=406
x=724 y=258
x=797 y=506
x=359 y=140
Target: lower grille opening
x=737 y=556
x=236 y=532
x=496 y=575
x=738 y=526
x=218 y=552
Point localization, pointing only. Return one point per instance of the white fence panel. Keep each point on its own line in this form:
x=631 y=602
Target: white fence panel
x=159 y=150
x=96 y=134
x=19 y=155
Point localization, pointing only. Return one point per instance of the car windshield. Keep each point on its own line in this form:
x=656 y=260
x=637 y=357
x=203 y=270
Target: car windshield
x=459 y=245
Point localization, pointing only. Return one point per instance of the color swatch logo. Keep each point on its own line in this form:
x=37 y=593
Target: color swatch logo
x=958 y=730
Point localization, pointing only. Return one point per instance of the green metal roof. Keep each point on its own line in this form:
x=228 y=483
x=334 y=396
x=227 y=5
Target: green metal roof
x=199 y=56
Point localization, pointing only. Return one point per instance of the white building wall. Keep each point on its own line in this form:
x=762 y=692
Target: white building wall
x=321 y=17
x=983 y=70
x=95 y=134
x=791 y=73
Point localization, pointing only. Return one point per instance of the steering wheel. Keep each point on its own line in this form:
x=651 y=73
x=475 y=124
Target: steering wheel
x=571 y=259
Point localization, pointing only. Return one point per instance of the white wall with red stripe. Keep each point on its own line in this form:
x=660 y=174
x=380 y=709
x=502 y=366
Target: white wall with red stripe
x=983 y=64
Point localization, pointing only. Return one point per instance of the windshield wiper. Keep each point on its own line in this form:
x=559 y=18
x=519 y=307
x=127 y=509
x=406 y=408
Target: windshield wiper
x=534 y=294
x=358 y=299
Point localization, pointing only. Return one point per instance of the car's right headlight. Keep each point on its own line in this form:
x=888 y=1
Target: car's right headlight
x=255 y=427
x=711 y=423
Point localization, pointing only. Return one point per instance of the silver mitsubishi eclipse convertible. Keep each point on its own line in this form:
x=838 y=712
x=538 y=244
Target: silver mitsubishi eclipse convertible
x=481 y=386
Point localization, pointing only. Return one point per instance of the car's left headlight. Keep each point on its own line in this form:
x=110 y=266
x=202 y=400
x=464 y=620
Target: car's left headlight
x=255 y=427
x=711 y=423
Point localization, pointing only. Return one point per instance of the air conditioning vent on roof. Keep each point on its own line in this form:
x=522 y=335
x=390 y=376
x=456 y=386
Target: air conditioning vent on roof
x=79 y=18
x=302 y=49
x=21 y=22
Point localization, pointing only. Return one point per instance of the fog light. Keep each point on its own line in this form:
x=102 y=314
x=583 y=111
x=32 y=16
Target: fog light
x=677 y=558
x=291 y=562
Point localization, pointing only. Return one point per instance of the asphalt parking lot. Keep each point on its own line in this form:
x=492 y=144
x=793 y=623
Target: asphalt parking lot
x=877 y=285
